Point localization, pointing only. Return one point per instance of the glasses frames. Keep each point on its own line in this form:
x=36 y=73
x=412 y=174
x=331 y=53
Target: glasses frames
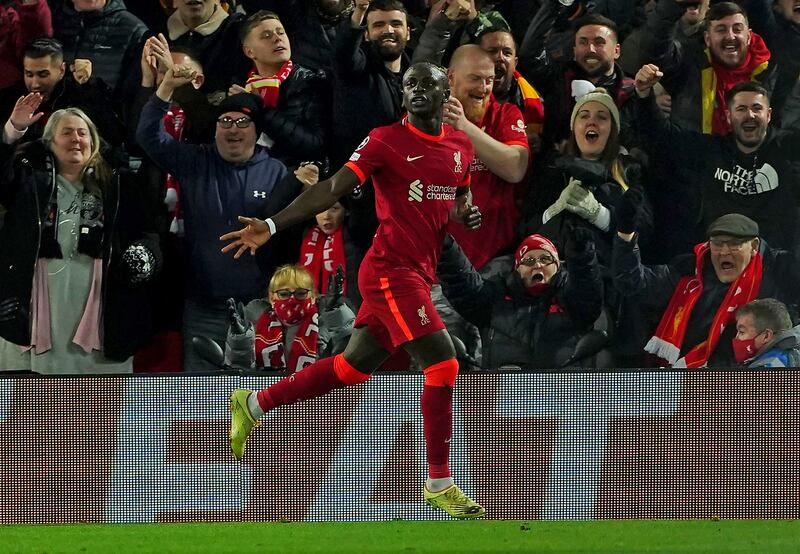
x=226 y=122
x=286 y=294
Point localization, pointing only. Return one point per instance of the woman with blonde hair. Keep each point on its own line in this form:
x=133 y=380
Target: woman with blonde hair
x=76 y=255
x=294 y=325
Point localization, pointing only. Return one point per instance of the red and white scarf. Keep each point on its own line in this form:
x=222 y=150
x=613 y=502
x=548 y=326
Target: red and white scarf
x=668 y=340
x=268 y=88
x=321 y=254
x=269 y=342
x=174 y=123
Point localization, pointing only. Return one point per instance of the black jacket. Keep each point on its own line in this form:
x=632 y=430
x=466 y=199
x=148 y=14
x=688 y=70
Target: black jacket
x=25 y=187
x=366 y=95
x=112 y=38
x=300 y=122
x=654 y=285
x=517 y=329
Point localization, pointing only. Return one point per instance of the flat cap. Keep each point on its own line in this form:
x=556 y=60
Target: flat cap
x=734 y=225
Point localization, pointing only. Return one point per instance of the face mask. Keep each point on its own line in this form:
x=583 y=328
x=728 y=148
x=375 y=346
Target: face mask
x=292 y=310
x=743 y=350
x=536 y=289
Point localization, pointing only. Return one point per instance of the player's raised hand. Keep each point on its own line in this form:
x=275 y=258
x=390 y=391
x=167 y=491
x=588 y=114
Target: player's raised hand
x=646 y=78
x=471 y=217
x=254 y=234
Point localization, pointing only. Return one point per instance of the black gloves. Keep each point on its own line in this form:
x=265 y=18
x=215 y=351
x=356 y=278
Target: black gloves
x=335 y=295
x=627 y=210
x=240 y=340
x=579 y=242
x=239 y=322
x=9 y=308
x=139 y=263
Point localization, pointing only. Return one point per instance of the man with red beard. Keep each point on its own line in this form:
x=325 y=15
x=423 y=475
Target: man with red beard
x=698 y=76
x=497 y=132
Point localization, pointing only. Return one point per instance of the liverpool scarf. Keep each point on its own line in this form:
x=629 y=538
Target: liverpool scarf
x=668 y=340
x=268 y=87
x=269 y=345
x=321 y=254
x=717 y=80
x=174 y=123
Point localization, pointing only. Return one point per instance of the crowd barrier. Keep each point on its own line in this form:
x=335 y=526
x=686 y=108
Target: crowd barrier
x=567 y=445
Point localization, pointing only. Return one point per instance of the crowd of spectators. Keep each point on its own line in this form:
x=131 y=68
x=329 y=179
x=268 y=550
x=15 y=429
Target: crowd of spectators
x=637 y=166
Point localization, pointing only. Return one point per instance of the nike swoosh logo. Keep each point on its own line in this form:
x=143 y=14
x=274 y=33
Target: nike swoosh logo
x=412 y=158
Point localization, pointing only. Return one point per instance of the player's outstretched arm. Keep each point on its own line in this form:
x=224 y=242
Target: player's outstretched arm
x=465 y=213
x=312 y=201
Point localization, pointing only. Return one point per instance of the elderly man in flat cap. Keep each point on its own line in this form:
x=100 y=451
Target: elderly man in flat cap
x=220 y=181
x=698 y=294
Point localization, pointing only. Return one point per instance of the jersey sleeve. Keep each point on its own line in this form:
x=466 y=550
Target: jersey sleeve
x=368 y=157
x=511 y=129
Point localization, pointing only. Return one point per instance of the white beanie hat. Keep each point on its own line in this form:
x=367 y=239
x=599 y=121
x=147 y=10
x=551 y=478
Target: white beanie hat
x=584 y=94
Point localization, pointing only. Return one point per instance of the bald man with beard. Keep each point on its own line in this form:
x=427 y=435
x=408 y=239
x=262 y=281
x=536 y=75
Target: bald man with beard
x=497 y=132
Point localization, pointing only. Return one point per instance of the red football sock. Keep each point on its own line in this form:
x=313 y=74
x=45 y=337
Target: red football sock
x=317 y=379
x=437 y=415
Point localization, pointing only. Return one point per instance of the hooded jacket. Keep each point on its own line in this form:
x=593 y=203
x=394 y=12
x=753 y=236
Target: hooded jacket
x=18 y=25
x=783 y=351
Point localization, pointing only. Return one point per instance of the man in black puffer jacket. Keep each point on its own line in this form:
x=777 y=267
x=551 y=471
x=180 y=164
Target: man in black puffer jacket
x=104 y=32
x=296 y=107
x=532 y=316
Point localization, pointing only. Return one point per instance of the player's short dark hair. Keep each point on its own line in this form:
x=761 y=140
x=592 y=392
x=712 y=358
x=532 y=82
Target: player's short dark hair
x=767 y=313
x=745 y=86
x=435 y=68
x=252 y=21
x=596 y=19
x=385 y=6
x=723 y=10
x=45 y=46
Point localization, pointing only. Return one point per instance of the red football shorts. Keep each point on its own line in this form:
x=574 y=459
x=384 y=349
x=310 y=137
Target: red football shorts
x=397 y=306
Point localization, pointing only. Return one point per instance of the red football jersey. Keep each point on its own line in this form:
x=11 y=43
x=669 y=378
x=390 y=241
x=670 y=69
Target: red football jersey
x=494 y=196
x=415 y=176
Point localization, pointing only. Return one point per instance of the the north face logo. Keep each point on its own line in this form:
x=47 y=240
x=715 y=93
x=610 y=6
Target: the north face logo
x=415 y=191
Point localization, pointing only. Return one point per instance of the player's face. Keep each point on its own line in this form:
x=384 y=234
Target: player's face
x=267 y=43
x=500 y=46
x=42 y=74
x=596 y=49
x=537 y=268
x=388 y=33
x=236 y=145
x=472 y=84
x=749 y=115
x=331 y=219
x=728 y=39
x=592 y=129
x=731 y=255
x=424 y=91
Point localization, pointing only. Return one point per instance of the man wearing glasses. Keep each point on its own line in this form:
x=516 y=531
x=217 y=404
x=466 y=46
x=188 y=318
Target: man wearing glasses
x=699 y=294
x=218 y=182
x=532 y=316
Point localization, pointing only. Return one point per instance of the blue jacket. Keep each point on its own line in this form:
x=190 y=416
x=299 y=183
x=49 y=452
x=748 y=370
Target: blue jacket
x=783 y=351
x=213 y=193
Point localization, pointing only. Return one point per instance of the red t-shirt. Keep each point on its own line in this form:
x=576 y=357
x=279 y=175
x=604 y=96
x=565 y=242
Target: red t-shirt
x=493 y=196
x=416 y=177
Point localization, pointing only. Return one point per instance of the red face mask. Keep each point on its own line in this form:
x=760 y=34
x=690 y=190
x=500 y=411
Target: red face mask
x=743 y=350
x=292 y=310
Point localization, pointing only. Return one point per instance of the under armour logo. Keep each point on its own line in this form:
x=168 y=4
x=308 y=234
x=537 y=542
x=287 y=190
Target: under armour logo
x=423 y=317
x=415 y=191
x=259 y=194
